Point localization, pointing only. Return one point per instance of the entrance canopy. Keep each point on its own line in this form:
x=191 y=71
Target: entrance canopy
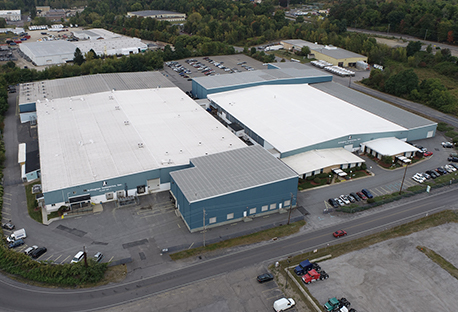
x=390 y=146
x=313 y=161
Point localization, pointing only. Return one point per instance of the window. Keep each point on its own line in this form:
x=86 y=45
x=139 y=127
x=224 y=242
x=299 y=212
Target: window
x=273 y=206
x=230 y=216
x=265 y=208
x=252 y=210
x=212 y=220
x=287 y=203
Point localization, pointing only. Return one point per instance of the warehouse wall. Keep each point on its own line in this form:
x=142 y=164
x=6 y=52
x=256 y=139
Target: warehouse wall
x=256 y=201
x=54 y=199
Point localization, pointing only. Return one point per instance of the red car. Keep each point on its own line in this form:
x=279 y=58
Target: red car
x=361 y=195
x=339 y=233
x=426 y=154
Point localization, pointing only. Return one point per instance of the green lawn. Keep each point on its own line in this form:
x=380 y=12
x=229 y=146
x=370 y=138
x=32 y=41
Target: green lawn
x=31 y=203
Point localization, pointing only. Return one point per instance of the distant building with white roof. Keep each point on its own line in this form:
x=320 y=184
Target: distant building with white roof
x=11 y=15
x=169 y=16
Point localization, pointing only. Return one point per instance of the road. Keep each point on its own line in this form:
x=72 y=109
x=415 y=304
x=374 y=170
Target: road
x=38 y=299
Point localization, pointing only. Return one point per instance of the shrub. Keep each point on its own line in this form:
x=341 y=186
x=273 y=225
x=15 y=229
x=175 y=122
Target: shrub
x=370 y=200
x=317 y=180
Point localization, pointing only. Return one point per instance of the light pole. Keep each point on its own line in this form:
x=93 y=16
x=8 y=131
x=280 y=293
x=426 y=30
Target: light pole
x=403 y=178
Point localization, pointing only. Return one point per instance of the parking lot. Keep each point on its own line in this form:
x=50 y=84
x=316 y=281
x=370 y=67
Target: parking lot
x=236 y=291
x=394 y=275
x=228 y=65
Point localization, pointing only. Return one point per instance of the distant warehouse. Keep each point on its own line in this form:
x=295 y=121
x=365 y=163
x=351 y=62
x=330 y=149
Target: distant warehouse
x=334 y=55
x=160 y=15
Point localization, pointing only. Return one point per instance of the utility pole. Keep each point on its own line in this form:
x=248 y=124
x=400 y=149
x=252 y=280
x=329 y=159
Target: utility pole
x=203 y=222
x=403 y=178
x=426 y=32
x=85 y=256
x=290 y=208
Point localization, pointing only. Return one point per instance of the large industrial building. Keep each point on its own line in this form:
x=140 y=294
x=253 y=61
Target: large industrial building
x=102 y=41
x=169 y=16
x=118 y=136
x=11 y=15
x=331 y=54
x=313 y=127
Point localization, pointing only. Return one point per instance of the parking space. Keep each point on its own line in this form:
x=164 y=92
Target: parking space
x=182 y=71
x=234 y=291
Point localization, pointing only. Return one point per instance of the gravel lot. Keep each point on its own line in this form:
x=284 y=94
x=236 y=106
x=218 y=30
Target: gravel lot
x=394 y=275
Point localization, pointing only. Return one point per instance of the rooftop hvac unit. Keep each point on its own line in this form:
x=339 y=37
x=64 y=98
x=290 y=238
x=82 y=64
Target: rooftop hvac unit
x=126 y=122
x=111 y=97
x=140 y=145
x=117 y=108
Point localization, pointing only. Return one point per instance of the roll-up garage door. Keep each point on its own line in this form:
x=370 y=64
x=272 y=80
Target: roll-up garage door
x=154 y=185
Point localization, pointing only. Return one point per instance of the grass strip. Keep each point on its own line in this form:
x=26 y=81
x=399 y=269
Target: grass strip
x=447 y=266
x=279 y=231
x=32 y=203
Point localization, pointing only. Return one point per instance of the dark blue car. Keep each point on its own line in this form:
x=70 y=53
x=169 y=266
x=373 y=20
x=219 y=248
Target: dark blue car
x=367 y=193
x=16 y=243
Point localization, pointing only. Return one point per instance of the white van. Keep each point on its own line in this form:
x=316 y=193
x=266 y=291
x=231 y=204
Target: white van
x=78 y=257
x=284 y=304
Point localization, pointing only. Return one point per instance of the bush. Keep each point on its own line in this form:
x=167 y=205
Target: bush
x=443 y=127
x=317 y=180
x=370 y=200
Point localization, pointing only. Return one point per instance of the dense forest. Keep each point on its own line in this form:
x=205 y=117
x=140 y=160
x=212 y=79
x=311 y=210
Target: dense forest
x=427 y=19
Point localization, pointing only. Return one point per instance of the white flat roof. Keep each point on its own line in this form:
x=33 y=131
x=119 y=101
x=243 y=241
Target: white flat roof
x=317 y=159
x=390 y=146
x=85 y=138
x=290 y=117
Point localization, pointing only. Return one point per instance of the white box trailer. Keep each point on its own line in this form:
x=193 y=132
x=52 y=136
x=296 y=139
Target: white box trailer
x=362 y=65
x=16 y=235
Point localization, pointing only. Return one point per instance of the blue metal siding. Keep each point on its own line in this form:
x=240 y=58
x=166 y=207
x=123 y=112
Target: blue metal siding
x=201 y=92
x=26 y=108
x=236 y=203
x=421 y=133
x=112 y=185
x=356 y=140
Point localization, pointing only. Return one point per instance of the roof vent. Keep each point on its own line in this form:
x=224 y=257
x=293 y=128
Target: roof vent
x=126 y=122
x=117 y=108
x=200 y=143
x=111 y=97
x=140 y=145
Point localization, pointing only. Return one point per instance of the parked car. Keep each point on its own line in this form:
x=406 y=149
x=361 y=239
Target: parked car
x=30 y=249
x=427 y=154
x=339 y=233
x=8 y=226
x=432 y=173
x=454 y=159
x=16 y=243
x=426 y=175
x=361 y=195
x=264 y=277
x=339 y=201
x=98 y=257
x=356 y=197
x=38 y=252
x=453 y=155
x=454 y=165
x=367 y=193
x=351 y=199
x=284 y=304
x=418 y=178
x=345 y=199
x=78 y=257
x=447 y=144
x=333 y=203
x=441 y=171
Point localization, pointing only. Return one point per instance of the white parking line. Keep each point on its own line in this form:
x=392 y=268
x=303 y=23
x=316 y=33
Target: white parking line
x=111 y=258
x=55 y=260
x=65 y=259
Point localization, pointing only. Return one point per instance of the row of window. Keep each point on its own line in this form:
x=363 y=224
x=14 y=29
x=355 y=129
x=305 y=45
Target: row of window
x=252 y=211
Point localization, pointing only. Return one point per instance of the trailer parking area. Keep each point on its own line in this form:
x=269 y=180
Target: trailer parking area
x=394 y=275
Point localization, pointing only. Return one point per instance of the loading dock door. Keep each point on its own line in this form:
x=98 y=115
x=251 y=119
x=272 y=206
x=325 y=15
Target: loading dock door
x=154 y=185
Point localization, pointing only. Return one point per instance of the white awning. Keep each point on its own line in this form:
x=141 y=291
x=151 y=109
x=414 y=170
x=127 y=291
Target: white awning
x=319 y=159
x=390 y=146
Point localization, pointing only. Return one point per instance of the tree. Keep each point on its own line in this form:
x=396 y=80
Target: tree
x=402 y=83
x=305 y=50
x=78 y=57
x=413 y=47
x=300 y=19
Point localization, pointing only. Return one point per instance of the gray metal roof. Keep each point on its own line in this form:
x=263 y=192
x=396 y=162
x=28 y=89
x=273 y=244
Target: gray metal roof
x=230 y=171
x=49 y=48
x=76 y=86
x=383 y=109
x=257 y=76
